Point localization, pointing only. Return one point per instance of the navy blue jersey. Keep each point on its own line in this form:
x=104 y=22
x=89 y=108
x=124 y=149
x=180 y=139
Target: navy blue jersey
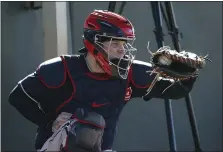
x=65 y=83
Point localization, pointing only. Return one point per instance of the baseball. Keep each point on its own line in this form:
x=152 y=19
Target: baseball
x=164 y=60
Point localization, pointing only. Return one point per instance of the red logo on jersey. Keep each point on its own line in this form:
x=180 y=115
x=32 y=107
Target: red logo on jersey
x=128 y=94
x=95 y=105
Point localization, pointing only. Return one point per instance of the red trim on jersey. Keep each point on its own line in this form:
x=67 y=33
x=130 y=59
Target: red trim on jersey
x=103 y=77
x=73 y=84
x=133 y=82
x=86 y=122
x=52 y=87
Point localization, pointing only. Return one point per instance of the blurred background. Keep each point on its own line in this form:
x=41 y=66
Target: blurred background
x=33 y=32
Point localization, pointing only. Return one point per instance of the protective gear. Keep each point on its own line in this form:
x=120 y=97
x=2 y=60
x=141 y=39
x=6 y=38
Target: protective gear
x=57 y=68
x=86 y=133
x=82 y=132
x=66 y=94
x=102 y=26
x=65 y=84
x=176 y=65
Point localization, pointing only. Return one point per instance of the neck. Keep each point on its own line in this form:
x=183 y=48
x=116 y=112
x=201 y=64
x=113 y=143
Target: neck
x=92 y=64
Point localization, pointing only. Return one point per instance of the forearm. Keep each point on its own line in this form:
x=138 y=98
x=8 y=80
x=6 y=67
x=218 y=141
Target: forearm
x=162 y=89
x=179 y=90
x=26 y=106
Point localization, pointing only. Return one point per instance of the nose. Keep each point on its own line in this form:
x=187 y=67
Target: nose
x=121 y=52
x=121 y=49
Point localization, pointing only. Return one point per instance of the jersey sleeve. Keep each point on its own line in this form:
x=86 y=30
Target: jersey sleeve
x=38 y=95
x=141 y=79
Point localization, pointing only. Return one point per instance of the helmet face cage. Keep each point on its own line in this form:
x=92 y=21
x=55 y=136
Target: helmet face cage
x=121 y=62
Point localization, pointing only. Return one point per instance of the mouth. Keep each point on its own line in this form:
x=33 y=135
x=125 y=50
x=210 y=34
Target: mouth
x=121 y=52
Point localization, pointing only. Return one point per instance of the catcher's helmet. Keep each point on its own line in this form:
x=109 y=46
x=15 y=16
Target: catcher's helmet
x=101 y=26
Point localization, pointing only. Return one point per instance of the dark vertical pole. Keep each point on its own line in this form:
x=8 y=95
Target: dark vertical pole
x=156 y=11
x=175 y=38
x=111 y=6
x=173 y=31
x=121 y=9
x=193 y=124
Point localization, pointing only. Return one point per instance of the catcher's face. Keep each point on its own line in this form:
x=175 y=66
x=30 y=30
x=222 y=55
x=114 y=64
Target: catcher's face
x=115 y=48
x=120 y=55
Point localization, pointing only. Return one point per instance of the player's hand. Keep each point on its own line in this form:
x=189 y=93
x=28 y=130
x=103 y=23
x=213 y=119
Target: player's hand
x=61 y=119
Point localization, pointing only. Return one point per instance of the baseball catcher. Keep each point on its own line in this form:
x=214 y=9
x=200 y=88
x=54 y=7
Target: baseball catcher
x=76 y=100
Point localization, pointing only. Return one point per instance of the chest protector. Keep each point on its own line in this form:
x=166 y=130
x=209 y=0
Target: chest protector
x=94 y=92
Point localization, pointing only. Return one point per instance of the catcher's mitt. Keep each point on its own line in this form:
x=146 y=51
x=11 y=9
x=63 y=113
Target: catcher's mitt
x=176 y=65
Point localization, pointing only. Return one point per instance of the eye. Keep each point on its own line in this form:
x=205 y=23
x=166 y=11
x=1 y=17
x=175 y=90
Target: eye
x=115 y=44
